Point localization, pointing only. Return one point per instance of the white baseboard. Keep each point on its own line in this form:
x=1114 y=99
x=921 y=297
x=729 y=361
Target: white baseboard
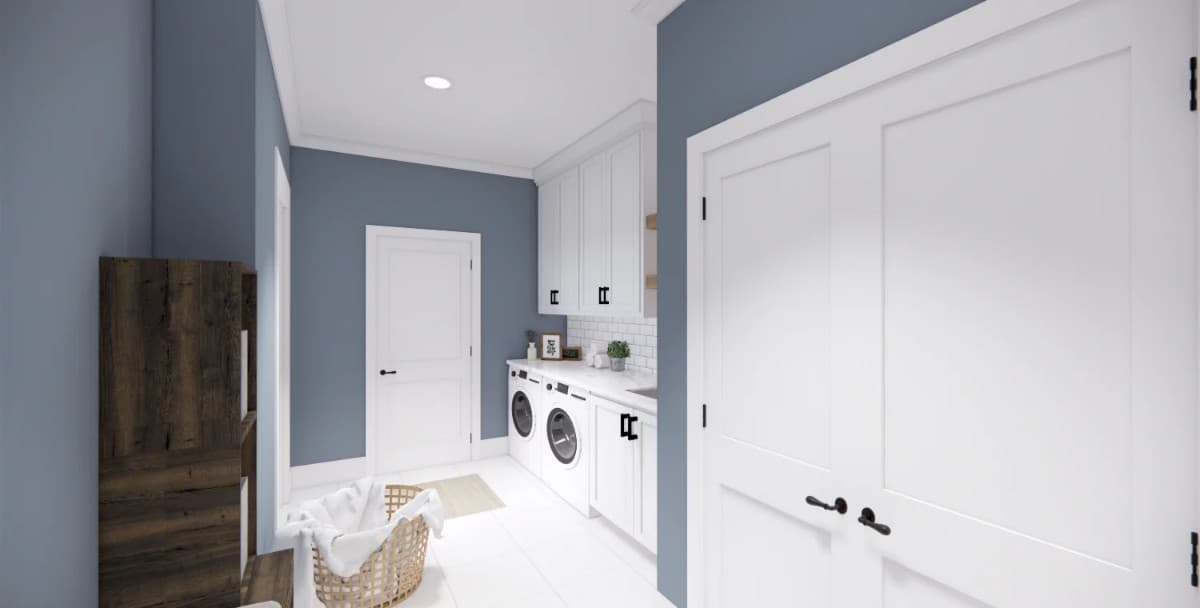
x=325 y=473
x=491 y=448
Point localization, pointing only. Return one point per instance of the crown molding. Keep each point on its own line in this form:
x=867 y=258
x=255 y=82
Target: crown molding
x=409 y=156
x=655 y=11
x=640 y=115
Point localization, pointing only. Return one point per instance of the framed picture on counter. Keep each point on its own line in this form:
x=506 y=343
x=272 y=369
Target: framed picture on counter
x=552 y=347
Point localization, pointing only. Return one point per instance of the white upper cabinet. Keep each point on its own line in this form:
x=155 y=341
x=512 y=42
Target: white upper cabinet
x=596 y=255
x=558 y=245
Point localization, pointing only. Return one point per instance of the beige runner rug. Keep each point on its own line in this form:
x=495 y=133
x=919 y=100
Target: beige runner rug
x=464 y=495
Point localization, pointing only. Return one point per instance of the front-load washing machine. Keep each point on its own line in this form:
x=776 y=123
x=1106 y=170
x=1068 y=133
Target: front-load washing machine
x=524 y=419
x=566 y=443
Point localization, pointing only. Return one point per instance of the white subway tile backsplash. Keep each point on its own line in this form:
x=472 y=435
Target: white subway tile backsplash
x=639 y=333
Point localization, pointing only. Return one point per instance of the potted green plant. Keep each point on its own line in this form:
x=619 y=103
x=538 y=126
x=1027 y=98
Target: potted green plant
x=618 y=351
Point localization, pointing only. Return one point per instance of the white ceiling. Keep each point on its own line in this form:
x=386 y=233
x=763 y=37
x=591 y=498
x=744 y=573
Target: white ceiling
x=530 y=76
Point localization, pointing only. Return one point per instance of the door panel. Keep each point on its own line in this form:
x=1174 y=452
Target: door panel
x=645 y=502
x=625 y=293
x=550 y=246
x=596 y=232
x=568 y=247
x=754 y=538
x=965 y=298
x=767 y=374
x=613 y=466
x=421 y=335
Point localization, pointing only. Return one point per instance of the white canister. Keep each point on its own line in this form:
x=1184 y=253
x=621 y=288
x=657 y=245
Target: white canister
x=531 y=352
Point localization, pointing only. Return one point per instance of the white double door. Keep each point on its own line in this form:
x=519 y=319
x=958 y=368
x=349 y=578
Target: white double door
x=963 y=298
x=422 y=333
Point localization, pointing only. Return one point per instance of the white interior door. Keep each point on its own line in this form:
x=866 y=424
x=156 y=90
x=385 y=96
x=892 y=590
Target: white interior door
x=963 y=298
x=421 y=337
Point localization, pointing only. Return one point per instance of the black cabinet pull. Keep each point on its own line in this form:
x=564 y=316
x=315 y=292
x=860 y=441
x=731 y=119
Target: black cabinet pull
x=868 y=519
x=554 y=297
x=624 y=420
x=838 y=505
x=631 y=435
x=604 y=295
x=513 y=374
x=387 y=372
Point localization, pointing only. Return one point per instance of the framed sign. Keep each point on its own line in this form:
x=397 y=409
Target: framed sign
x=552 y=346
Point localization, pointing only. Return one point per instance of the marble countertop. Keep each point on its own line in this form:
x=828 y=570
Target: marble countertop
x=605 y=383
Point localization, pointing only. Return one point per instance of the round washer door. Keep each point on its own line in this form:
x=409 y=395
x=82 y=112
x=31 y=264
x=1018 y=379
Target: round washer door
x=560 y=430
x=522 y=414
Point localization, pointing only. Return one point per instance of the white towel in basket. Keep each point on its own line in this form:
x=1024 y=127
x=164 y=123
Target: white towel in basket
x=348 y=526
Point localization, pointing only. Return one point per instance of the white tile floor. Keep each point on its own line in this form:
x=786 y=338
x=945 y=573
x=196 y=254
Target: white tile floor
x=537 y=551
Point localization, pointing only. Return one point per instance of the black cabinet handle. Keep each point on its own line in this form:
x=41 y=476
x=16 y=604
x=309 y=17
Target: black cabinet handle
x=554 y=297
x=513 y=374
x=624 y=421
x=387 y=372
x=868 y=519
x=838 y=505
x=604 y=295
x=631 y=435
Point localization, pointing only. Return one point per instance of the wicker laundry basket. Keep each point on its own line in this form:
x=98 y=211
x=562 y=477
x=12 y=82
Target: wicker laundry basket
x=391 y=574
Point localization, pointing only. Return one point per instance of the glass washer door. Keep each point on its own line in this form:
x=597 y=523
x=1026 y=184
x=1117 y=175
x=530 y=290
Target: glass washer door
x=522 y=414
x=564 y=443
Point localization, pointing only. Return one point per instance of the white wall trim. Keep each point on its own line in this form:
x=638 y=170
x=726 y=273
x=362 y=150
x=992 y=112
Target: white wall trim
x=476 y=240
x=279 y=48
x=489 y=448
x=968 y=28
x=326 y=473
x=304 y=140
x=283 y=333
x=641 y=114
x=655 y=11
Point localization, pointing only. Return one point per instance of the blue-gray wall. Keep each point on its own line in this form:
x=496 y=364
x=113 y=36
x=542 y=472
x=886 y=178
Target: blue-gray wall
x=716 y=59
x=75 y=184
x=204 y=129
x=335 y=196
x=217 y=123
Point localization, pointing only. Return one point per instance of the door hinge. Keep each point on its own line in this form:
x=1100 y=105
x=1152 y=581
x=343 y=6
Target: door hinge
x=1192 y=83
x=704 y=416
x=471 y=351
x=704 y=208
x=1195 y=559
x=471 y=264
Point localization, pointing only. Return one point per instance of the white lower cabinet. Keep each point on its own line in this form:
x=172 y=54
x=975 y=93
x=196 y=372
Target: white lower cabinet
x=624 y=481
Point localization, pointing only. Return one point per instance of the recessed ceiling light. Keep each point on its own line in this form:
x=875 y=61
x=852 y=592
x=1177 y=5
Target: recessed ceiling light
x=437 y=82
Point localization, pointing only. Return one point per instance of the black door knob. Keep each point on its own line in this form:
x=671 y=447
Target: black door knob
x=839 y=504
x=868 y=519
x=387 y=372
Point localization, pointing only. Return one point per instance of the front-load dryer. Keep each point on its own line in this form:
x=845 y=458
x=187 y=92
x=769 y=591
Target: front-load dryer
x=524 y=419
x=566 y=443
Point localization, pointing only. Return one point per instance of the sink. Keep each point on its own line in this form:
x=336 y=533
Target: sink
x=651 y=392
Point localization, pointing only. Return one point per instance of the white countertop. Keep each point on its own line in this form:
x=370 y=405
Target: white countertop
x=605 y=383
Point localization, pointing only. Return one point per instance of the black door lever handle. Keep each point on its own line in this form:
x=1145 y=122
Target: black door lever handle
x=384 y=372
x=838 y=505
x=868 y=519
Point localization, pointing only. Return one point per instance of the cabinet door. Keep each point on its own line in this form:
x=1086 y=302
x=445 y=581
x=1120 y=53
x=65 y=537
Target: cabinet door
x=645 y=489
x=549 y=247
x=626 y=228
x=612 y=466
x=569 y=243
x=595 y=234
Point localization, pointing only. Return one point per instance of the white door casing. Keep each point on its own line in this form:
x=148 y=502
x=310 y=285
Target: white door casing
x=953 y=282
x=423 y=333
x=283 y=334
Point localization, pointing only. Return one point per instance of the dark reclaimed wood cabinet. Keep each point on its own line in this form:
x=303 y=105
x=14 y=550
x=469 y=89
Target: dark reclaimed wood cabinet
x=177 y=343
